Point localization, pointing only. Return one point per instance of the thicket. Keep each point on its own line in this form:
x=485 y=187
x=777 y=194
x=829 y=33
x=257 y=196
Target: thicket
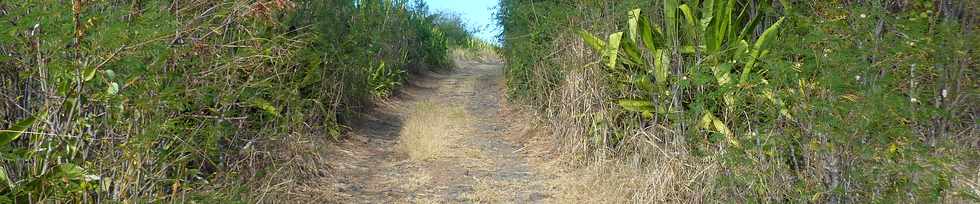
x=758 y=101
x=163 y=100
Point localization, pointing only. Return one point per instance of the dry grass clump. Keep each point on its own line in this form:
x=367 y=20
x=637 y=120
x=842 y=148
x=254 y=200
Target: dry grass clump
x=480 y=55
x=476 y=50
x=645 y=168
x=665 y=174
x=646 y=171
x=287 y=169
x=614 y=182
x=815 y=115
x=428 y=130
x=969 y=180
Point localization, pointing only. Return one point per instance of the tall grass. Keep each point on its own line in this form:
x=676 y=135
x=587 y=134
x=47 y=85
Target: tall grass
x=772 y=102
x=179 y=101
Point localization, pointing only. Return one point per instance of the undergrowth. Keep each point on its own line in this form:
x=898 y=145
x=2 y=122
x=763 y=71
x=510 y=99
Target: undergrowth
x=766 y=101
x=142 y=101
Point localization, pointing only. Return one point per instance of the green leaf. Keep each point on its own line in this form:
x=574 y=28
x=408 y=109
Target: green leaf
x=632 y=53
x=334 y=131
x=595 y=43
x=787 y=6
x=69 y=104
x=312 y=76
x=693 y=28
x=710 y=122
x=708 y=12
x=688 y=15
x=749 y=27
x=650 y=34
x=113 y=89
x=661 y=66
x=759 y=49
x=7 y=136
x=88 y=74
x=763 y=41
x=634 y=24
x=687 y=49
x=13 y=154
x=612 y=49
x=70 y=171
x=5 y=179
x=109 y=74
x=647 y=115
x=706 y=120
x=723 y=74
x=719 y=26
x=635 y=105
x=670 y=18
x=643 y=82
x=742 y=51
x=264 y=105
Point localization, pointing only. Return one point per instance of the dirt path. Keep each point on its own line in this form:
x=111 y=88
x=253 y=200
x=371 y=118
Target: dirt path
x=471 y=161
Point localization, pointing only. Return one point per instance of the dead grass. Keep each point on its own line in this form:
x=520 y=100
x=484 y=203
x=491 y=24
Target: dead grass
x=475 y=55
x=281 y=170
x=645 y=170
x=614 y=181
x=968 y=181
x=429 y=130
x=415 y=181
x=671 y=177
x=489 y=191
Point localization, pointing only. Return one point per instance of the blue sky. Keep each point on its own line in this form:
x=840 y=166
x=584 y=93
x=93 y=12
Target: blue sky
x=477 y=13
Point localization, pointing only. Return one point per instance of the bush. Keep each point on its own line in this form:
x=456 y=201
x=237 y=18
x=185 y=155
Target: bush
x=791 y=105
x=150 y=100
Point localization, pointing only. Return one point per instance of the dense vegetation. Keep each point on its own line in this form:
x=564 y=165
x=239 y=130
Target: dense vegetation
x=758 y=101
x=156 y=100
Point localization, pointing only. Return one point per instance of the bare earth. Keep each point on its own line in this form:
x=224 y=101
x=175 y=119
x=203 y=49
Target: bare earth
x=477 y=165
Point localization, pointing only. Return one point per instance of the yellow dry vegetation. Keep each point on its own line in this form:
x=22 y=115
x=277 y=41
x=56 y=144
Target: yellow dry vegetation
x=429 y=129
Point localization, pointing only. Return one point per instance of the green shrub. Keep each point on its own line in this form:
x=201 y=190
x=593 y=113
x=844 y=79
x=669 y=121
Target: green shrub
x=152 y=100
x=794 y=105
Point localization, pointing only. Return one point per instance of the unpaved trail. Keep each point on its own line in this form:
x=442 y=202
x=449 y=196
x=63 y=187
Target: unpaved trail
x=477 y=165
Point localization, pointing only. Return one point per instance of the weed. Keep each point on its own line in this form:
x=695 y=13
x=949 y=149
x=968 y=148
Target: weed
x=155 y=100
x=793 y=105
